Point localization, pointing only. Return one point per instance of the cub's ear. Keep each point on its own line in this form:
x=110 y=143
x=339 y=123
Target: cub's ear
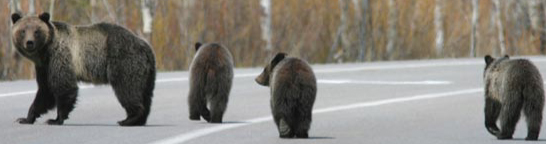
x=197 y=45
x=15 y=17
x=44 y=17
x=506 y=56
x=280 y=56
x=488 y=59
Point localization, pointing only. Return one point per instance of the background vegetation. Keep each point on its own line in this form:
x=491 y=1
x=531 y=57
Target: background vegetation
x=320 y=31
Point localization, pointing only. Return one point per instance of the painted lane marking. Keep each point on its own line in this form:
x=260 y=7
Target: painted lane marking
x=185 y=137
x=426 y=82
x=382 y=67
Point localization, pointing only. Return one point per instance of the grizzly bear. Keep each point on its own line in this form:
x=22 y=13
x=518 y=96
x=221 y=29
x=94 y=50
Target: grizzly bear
x=510 y=87
x=211 y=76
x=100 y=53
x=293 y=90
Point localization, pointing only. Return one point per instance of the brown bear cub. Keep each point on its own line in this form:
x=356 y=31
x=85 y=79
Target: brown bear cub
x=510 y=87
x=211 y=76
x=293 y=91
x=100 y=53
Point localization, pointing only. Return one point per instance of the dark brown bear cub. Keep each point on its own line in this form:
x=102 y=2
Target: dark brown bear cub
x=293 y=91
x=211 y=76
x=100 y=54
x=510 y=87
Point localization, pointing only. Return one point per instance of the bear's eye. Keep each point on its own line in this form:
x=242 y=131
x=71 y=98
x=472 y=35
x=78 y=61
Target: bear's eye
x=36 y=33
x=23 y=32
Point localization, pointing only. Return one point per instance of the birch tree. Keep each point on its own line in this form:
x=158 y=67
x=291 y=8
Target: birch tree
x=146 y=7
x=14 y=7
x=438 y=25
x=31 y=8
x=93 y=9
x=51 y=7
x=266 y=25
x=361 y=8
x=341 y=34
x=474 y=32
x=392 y=32
x=500 y=29
x=536 y=15
x=111 y=12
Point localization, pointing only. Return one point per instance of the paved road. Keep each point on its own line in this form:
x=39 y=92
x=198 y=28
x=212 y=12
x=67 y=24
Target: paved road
x=421 y=102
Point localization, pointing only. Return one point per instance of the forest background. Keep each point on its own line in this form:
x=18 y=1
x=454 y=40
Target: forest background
x=319 y=31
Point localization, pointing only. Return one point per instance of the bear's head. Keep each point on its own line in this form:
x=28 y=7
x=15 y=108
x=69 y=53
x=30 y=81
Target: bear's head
x=491 y=63
x=31 y=35
x=263 y=78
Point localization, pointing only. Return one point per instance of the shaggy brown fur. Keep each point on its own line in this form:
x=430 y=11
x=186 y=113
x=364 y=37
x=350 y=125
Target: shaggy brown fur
x=293 y=91
x=510 y=87
x=211 y=76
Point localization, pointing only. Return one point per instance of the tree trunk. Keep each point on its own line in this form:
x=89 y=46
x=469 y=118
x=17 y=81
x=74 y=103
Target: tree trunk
x=6 y=59
x=266 y=25
x=340 y=35
x=362 y=14
x=500 y=29
x=392 y=32
x=31 y=8
x=111 y=12
x=536 y=15
x=147 y=17
x=438 y=25
x=473 y=34
x=51 y=8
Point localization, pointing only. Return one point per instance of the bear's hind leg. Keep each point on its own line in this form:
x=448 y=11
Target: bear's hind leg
x=285 y=128
x=132 y=101
x=303 y=124
x=197 y=105
x=532 y=109
x=218 y=105
x=510 y=114
x=492 y=111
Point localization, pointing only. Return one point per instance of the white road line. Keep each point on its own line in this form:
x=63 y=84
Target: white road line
x=426 y=82
x=207 y=131
x=18 y=93
x=396 y=66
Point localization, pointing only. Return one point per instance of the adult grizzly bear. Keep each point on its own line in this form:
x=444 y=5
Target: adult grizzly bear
x=100 y=54
x=510 y=86
x=293 y=91
x=211 y=76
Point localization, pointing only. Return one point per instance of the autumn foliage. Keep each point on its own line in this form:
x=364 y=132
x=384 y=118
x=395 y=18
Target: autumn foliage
x=302 y=28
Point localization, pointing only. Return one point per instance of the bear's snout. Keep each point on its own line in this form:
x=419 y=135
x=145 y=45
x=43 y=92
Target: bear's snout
x=30 y=45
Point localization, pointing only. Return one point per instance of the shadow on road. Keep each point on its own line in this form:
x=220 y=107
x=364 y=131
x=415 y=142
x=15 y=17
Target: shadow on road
x=522 y=139
x=320 y=137
x=226 y=122
x=115 y=125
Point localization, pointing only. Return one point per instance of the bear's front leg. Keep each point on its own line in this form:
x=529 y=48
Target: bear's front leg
x=43 y=101
x=65 y=100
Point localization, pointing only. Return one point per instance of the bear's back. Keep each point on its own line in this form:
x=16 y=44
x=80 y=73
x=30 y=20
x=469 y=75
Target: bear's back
x=294 y=72
x=212 y=56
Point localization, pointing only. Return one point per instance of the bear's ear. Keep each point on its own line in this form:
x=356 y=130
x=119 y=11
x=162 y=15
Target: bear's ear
x=280 y=56
x=15 y=17
x=197 y=45
x=506 y=56
x=488 y=59
x=44 y=17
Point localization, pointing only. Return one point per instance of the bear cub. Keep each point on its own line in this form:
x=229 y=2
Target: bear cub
x=512 y=85
x=211 y=76
x=102 y=53
x=293 y=90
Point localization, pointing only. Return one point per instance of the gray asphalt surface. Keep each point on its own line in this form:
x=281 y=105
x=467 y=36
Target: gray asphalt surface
x=410 y=102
